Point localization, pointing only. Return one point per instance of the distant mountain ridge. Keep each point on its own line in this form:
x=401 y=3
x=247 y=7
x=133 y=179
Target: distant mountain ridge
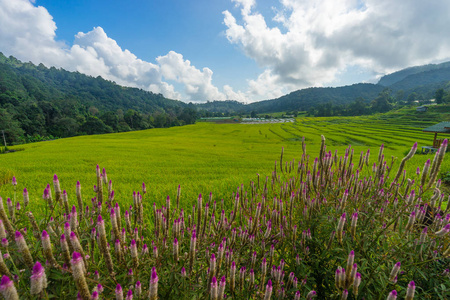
x=390 y=79
x=423 y=81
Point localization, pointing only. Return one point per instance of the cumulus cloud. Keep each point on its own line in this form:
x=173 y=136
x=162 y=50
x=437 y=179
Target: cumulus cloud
x=28 y=33
x=313 y=41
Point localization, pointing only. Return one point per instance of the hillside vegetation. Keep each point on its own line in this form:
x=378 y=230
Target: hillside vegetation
x=37 y=102
x=405 y=86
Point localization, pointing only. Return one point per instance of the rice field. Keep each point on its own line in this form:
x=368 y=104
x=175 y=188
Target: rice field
x=204 y=157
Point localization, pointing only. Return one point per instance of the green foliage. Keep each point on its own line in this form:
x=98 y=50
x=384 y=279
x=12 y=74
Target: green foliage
x=37 y=101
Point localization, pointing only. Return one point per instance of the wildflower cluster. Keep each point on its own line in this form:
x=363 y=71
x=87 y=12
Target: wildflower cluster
x=336 y=228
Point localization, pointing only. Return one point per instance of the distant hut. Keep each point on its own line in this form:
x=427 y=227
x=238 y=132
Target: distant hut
x=443 y=127
x=422 y=108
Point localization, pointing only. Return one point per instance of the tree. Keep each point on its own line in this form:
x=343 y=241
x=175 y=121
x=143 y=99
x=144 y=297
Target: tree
x=66 y=127
x=382 y=102
x=439 y=96
x=94 y=125
x=411 y=98
x=12 y=129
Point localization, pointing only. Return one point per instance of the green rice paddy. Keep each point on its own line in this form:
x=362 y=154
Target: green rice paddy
x=205 y=157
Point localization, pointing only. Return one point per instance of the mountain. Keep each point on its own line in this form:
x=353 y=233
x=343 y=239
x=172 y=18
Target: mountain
x=391 y=79
x=25 y=80
x=304 y=99
x=421 y=82
x=37 y=101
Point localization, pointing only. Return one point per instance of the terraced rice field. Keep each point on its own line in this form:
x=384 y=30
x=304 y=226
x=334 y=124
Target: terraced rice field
x=205 y=157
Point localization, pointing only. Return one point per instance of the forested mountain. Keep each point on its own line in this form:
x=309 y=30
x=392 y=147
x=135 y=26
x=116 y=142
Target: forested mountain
x=304 y=99
x=417 y=83
x=36 y=102
x=390 y=79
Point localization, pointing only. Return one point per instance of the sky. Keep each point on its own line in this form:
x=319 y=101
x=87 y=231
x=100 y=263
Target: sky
x=244 y=50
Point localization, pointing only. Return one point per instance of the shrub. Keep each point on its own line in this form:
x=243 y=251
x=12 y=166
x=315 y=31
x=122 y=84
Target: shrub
x=335 y=228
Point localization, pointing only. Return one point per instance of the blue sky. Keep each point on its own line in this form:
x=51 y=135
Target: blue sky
x=246 y=50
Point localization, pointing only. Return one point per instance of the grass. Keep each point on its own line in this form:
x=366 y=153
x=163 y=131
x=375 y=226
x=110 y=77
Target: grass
x=204 y=157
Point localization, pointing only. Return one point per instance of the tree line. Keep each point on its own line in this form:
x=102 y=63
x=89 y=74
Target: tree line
x=384 y=102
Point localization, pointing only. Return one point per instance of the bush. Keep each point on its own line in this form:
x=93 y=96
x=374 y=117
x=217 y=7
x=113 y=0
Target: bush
x=335 y=228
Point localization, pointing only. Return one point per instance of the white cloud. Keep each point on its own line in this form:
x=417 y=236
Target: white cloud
x=198 y=84
x=28 y=33
x=315 y=40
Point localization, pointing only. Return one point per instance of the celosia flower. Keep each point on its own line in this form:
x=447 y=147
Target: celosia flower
x=214 y=290
x=297 y=295
x=356 y=283
x=134 y=253
x=7 y=288
x=119 y=292
x=153 y=289
x=22 y=247
x=443 y=231
x=38 y=279
x=26 y=197
x=340 y=227
x=138 y=289
x=129 y=295
x=344 y=295
x=183 y=272
x=46 y=245
x=311 y=295
x=155 y=252
x=392 y=295
x=410 y=291
x=268 y=292
x=232 y=275
x=94 y=295
x=78 y=275
x=394 y=271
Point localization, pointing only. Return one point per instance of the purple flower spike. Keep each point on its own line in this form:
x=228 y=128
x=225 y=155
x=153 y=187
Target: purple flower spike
x=44 y=234
x=37 y=269
x=18 y=235
x=14 y=181
x=5 y=282
x=154 y=277
x=392 y=295
x=76 y=257
x=129 y=295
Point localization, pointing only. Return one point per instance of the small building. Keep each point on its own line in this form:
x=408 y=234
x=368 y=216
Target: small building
x=442 y=128
x=422 y=108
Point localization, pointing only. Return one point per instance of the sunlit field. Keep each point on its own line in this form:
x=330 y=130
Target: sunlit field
x=204 y=157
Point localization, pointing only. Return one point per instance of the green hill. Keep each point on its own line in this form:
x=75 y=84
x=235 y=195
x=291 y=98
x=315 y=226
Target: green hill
x=41 y=101
x=395 y=77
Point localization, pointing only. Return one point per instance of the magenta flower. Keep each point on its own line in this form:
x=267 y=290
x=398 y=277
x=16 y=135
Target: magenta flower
x=392 y=295
x=38 y=279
